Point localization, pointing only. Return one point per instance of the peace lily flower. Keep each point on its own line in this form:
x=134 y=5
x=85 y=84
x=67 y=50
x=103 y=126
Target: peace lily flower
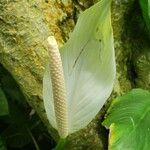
x=79 y=79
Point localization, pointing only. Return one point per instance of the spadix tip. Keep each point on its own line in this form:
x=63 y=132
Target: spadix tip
x=52 y=43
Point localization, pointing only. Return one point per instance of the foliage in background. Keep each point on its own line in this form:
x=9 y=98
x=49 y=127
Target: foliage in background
x=3 y=104
x=2 y=146
x=19 y=129
x=128 y=120
x=145 y=6
x=3 y=111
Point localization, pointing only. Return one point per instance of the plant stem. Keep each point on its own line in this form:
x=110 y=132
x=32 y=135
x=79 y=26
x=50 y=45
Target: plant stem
x=33 y=139
x=60 y=144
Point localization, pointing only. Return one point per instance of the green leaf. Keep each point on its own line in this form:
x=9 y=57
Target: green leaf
x=3 y=104
x=128 y=119
x=16 y=134
x=145 y=6
x=16 y=137
x=89 y=68
x=2 y=146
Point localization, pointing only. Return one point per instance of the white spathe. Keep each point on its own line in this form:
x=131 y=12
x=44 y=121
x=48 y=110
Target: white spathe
x=89 y=68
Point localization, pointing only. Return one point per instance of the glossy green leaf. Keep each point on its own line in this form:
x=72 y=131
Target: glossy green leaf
x=89 y=68
x=145 y=6
x=128 y=120
x=3 y=104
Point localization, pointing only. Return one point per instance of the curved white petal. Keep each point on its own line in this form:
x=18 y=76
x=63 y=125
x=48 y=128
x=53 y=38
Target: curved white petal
x=89 y=65
x=48 y=97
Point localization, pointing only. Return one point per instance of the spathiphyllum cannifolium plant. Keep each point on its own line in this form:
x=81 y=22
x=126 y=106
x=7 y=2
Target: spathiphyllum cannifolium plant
x=79 y=78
